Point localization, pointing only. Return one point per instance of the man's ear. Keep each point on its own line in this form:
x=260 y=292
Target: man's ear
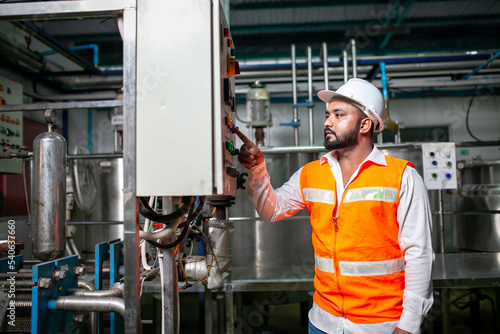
x=365 y=126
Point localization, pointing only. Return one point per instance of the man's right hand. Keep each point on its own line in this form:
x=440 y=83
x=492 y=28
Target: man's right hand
x=250 y=154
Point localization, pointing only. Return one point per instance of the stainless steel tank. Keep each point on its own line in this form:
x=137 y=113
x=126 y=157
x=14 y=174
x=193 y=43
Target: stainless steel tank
x=479 y=193
x=106 y=218
x=48 y=202
x=282 y=243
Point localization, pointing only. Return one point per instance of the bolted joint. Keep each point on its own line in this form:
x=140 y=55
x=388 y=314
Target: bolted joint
x=45 y=283
x=78 y=318
x=79 y=271
x=59 y=275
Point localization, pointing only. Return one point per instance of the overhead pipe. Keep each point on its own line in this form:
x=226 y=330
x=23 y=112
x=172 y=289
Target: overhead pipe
x=93 y=47
x=477 y=69
x=23 y=54
x=52 y=43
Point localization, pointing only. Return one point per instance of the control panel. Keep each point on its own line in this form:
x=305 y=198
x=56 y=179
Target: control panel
x=185 y=99
x=440 y=165
x=11 y=124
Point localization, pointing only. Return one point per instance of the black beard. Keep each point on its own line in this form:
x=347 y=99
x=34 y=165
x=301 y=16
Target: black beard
x=347 y=140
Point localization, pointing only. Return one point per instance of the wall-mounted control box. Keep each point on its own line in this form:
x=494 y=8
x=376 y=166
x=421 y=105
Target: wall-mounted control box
x=11 y=124
x=439 y=165
x=185 y=99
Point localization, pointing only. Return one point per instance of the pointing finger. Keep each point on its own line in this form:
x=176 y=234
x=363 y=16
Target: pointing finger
x=242 y=136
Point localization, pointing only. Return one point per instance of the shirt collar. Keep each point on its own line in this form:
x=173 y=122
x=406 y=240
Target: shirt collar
x=375 y=156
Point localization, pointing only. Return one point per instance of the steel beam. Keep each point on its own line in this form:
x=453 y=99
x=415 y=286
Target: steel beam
x=47 y=10
x=131 y=209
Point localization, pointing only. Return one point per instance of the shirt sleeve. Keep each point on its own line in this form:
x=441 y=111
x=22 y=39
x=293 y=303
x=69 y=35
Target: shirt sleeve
x=273 y=205
x=415 y=239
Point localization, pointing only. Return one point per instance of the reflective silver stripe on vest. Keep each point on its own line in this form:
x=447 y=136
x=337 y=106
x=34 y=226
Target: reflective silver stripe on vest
x=372 y=268
x=324 y=264
x=382 y=194
x=319 y=195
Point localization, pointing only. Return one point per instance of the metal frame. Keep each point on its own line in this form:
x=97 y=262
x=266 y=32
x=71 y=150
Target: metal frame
x=96 y=8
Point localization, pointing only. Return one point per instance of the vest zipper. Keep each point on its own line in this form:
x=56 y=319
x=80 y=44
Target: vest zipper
x=337 y=269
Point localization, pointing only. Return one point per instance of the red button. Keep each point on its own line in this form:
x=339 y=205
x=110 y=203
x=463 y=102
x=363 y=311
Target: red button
x=1 y=88
x=13 y=121
x=226 y=32
x=230 y=42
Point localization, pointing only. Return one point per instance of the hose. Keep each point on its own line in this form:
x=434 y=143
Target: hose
x=150 y=214
x=186 y=224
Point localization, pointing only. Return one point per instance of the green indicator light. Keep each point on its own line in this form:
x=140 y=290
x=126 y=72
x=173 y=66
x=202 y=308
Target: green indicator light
x=434 y=175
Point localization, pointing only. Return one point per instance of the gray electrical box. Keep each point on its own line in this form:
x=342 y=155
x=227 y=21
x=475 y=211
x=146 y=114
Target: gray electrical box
x=185 y=99
x=11 y=124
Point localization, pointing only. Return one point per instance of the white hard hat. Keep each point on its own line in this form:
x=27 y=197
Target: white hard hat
x=363 y=95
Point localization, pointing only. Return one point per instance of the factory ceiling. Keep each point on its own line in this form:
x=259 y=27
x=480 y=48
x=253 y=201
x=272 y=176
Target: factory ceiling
x=264 y=30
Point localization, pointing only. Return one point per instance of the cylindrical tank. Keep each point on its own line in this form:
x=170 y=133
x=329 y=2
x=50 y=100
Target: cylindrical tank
x=108 y=208
x=479 y=191
x=48 y=204
x=258 y=105
x=282 y=243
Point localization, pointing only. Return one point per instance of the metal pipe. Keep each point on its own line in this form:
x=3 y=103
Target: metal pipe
x=170 y=291
x=95 y=223
x=345 y=61
x=62 y=105
x=91 y=304
x=82 y=284
x=310 y=94
x=52 y=43
x=96 y=156
x=294 y=97
x=325 y=66
x=116 y=290
x=441 y=221
x=354 y=58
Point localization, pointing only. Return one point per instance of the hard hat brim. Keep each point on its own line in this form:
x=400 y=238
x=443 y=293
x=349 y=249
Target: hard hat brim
x=329 y=96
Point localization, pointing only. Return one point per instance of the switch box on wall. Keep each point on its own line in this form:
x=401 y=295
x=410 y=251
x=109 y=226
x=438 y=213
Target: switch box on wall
x=185 y=99
x=440 y=165
x=11 y=124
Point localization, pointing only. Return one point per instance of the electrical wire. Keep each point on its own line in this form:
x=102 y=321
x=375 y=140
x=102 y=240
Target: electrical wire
x=467 y=120
x=183 y=234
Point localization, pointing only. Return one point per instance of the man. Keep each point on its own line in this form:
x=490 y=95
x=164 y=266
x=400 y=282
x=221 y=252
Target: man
x=370 y=217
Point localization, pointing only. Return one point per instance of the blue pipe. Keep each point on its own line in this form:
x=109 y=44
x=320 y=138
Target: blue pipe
x=89 y=127
x=94 y=47
x=76 y=57
x=385 y=79
x=477 y=69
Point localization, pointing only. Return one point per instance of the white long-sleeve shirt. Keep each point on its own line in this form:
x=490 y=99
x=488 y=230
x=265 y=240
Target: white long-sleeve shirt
x=415 y=228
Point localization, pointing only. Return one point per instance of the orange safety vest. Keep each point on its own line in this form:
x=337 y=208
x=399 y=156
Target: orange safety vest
x=359 y=272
